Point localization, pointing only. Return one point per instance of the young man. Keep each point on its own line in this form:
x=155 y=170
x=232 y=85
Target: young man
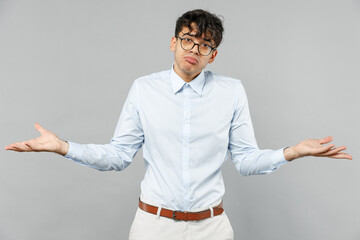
x=188 y=121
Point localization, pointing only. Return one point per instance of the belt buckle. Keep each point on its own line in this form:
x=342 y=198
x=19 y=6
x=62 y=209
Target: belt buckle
x=174 y=214
x=179 y=211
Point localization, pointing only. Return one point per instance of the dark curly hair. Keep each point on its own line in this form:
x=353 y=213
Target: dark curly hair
x=206 y=23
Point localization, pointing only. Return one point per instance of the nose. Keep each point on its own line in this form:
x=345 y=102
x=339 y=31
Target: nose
x=195 y=49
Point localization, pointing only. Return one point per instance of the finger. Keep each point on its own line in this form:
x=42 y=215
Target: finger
x=10 y=147
x=40 y=128
x=25 y=147
x=326 y=140
x=19 y=145
x=15 y=147
x=323 y=149
x=332 y=151
x=29 y=147
x=22 y=146
x=341 y=155
x=33 y=145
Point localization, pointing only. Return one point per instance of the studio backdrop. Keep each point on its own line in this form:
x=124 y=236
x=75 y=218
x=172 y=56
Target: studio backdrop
x=69 y=66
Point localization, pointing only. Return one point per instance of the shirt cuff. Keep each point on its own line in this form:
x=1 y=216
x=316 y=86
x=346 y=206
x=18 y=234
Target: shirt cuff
x=278 y=158
x=75 y=152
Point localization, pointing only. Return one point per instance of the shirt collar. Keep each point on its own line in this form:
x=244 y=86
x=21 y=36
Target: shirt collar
x=196 y=84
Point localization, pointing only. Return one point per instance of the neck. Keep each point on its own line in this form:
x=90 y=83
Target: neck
x=184 y=76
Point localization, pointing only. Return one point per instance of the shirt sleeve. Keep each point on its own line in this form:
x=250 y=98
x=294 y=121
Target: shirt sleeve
x=245 y=154
x=126 y=142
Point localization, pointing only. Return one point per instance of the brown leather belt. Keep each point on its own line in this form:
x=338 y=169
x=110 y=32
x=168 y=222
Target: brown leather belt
x=180 y=215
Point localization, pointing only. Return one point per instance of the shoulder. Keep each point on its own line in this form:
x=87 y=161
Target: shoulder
x=152 y=78
x=225 y=81
x=229 y=85
x=152 y=83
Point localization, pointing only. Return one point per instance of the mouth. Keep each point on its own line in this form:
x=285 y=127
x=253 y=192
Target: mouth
x=191 y=60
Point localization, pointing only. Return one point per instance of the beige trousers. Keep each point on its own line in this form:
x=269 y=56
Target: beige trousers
x=147 y=226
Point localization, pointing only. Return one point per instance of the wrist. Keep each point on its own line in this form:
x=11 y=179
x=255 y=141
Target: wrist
x=290 y=153
x=63 y=147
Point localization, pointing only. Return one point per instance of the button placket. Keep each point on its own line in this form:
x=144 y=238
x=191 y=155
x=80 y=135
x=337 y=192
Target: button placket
x=186 y=145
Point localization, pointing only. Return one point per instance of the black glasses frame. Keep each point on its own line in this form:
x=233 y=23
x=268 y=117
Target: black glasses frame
x=198 y=45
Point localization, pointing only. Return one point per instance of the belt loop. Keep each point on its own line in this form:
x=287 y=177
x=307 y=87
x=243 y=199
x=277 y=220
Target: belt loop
x=212 y=212
x=158 y=212
x=186 y=216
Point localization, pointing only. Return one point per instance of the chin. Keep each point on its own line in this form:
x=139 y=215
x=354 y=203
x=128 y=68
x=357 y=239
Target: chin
x=190 y=71
x=192 y=68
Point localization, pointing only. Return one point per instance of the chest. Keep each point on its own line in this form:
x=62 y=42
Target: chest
x=174 y=114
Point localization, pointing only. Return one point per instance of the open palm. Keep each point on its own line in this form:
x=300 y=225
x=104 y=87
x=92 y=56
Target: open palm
x=47 y=142
x=317 y=148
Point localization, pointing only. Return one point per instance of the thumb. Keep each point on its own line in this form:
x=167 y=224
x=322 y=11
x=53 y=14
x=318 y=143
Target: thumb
x=40 y=128
x=326 y=140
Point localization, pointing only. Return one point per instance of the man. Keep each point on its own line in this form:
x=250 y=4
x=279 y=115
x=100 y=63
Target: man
x=188 y=121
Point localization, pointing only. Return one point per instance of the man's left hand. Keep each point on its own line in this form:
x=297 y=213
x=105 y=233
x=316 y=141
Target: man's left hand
x=316 y=148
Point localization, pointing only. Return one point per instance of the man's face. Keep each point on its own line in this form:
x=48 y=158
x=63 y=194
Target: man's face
x=189 y=63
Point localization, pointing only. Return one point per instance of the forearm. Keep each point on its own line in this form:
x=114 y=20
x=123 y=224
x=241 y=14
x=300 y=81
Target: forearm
x=256 y=161
x=103 y=157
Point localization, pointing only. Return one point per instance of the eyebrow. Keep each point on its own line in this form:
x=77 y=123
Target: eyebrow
x=193 y=35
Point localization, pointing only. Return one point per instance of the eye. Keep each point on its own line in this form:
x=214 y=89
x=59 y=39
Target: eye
x=188 y=39
x=206 y=45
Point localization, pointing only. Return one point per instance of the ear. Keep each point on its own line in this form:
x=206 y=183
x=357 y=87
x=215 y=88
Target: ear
x=213 y=56
x=173 y=44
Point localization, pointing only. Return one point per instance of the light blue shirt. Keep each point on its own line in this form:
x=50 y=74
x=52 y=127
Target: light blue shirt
x=188 y=131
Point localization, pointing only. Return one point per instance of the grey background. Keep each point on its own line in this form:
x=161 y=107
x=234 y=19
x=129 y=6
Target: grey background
x=69 y=64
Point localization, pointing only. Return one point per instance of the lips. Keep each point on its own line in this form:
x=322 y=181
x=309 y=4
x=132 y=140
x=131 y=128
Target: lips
x=191 y=60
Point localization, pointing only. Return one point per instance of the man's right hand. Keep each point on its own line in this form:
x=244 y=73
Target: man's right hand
x=47 y=142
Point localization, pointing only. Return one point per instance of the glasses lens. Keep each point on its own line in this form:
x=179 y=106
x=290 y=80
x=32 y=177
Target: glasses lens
x=187 y=43
x=204 y=49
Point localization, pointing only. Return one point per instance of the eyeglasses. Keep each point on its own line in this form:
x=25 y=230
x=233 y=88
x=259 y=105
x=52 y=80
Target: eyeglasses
x=188 y=44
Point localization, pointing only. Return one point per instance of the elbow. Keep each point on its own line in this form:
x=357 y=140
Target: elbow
x=244 y=172
x=248 y=171
x=119 y=164
x=110 y=165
